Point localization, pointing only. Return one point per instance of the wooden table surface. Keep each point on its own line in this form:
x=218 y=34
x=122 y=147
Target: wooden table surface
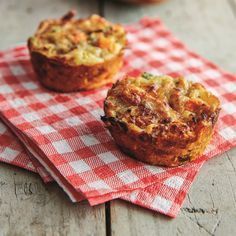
x=28 y=207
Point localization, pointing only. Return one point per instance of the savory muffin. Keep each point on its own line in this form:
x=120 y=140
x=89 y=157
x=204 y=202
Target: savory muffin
x=69 y=54
x=161 y=120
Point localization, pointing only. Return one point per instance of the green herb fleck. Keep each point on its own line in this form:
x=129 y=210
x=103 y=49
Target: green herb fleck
x=147 y=76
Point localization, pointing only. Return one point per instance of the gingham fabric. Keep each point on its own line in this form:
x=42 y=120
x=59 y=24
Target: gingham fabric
x=150 y=197
x=12 y=152
x=65 y=134
x=144 y=197
x=38 y=167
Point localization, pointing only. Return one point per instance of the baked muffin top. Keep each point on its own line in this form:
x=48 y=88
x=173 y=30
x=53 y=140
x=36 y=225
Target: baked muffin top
x=79 y=41
x=162 y=107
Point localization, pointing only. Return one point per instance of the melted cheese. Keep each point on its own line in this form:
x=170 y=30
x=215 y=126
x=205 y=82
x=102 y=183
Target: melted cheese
x=149 y=102
x=79 y=42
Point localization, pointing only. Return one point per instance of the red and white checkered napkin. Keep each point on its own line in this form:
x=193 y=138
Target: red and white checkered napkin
x=12 y=152
x=64 y=131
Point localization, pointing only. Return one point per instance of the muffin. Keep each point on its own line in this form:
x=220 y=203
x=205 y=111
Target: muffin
x=71 y=54
x=160 y=120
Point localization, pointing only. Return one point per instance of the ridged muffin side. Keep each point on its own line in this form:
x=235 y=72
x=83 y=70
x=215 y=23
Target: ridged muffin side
x=161 y=120
x=71 y=54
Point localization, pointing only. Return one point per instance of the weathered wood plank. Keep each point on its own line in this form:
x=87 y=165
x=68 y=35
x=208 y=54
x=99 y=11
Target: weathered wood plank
x=19 y=19
x=206 y=27
x=208 y=210
x=28 y=206
x=232 y=4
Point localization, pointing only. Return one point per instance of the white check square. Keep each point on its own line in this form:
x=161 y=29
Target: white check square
x=32 y=116
x=128 y=177
x=43 y=97
x=107 y=157
x=192 y=78
x=18 y=102
x=137 y=63
x=157 y=55
x=100 y=184
x=79 y=166
x=97 y=113
x=148 y=33
x=30 y=85
x=134 y=195
x=162 y=204
x=9 y=154
x=174 y=182
x=45 y=129
x=194 y=62
x=174 y=66
x=74 y=120
x=58 y=108
x=17 y=70
x=230 y=87
x=142 y=46
x=4 y=89
x=154 y=169
x=178 y=53
x=89 y=140
x=212 y=73
x=62 y=147
x=228 y=133
x=229 y=107
x=84 y=100
x=209 y=148
x=162 y=43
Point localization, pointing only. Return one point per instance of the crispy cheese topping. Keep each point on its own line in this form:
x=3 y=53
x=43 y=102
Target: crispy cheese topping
x=161 y=105
x=79 y=42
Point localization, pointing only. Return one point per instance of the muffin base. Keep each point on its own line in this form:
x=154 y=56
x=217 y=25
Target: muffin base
x=150 y=152
x=59 y=76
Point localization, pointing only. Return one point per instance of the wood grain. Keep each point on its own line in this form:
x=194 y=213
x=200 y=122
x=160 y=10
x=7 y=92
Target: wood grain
x=28 y=206
x=19 y=19
x=206 y=27
x=209 y=208
x=232 y=4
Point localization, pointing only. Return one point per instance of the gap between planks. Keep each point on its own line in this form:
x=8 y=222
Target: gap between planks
x=101 y=11
x=232 y=4
x=108 y=218
x=101 y=7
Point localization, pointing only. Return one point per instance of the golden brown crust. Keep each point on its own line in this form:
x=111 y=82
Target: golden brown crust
x=60 y=77
x=80 y=55
x=161 y=120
